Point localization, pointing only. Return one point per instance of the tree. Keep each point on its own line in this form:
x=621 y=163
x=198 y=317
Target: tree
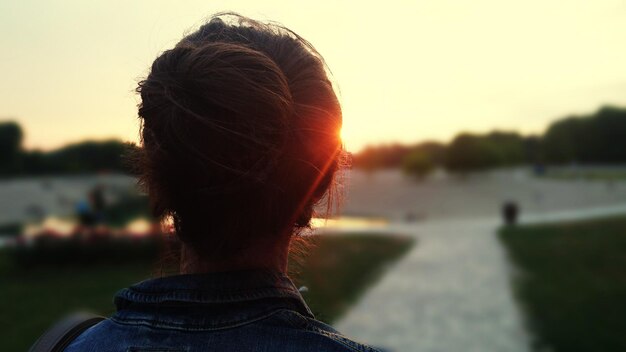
x=89 y=156
x=510 y=146
x=469 y=152
x=595 y=138
x=602 y=138
x=381 y=157
x=418 y=163
x=10 y=147
x=560 y=140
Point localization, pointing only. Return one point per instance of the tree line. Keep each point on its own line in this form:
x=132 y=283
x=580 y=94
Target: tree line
x=81 y=157
x=598 y=138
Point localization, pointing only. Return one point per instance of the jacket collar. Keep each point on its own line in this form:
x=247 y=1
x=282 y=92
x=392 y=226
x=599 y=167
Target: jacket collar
x=209 y=300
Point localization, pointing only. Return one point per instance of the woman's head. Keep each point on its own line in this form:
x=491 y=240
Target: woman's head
x=240 y=135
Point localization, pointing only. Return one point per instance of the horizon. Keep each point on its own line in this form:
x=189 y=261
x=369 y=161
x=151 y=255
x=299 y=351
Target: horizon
x=352 y=150
x=418 y=72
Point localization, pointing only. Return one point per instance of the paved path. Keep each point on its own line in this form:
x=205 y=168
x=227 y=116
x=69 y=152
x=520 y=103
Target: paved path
x=451 y=292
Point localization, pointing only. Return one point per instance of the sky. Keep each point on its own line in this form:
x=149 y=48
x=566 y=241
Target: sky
x=406 y=71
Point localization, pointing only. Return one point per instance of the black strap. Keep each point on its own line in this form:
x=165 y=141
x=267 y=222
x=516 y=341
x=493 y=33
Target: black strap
x=62 y=333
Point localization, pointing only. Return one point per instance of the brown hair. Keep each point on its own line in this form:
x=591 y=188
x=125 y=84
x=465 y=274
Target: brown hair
x=240 y=135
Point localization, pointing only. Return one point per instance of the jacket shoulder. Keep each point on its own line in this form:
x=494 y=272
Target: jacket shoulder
x=285 y=330
x=325 y=334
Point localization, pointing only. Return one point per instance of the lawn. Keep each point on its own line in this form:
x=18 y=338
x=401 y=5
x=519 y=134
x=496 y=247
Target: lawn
x=571 y=282
x=335 y=269
x=589 y=174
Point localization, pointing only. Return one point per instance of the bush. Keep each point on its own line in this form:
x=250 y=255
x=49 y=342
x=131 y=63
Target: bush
x=418 y=163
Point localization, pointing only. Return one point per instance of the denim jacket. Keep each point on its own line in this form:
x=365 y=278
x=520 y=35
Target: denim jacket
x=237 y=311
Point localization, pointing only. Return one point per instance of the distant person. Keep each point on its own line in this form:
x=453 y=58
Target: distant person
x=90 y=211
x=240 y=140
x=510 y=212
x=98 y=202
x=86 y=217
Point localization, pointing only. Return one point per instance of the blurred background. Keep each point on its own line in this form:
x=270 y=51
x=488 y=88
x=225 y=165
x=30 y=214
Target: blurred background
x=485 y=208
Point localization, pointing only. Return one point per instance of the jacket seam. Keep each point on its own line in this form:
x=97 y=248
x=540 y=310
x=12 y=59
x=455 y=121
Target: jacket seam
x=182 y=327
x=153 y=297
x=335 y=337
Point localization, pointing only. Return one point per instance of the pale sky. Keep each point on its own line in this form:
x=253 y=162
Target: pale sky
x=407 y=70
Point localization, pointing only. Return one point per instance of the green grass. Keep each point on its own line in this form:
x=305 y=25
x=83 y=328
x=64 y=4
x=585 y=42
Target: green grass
x=336 y=270
x=572 y=283
x=586 y=174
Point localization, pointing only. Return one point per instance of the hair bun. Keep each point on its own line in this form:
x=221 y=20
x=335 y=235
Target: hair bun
x=228 y=106
x=240 y=134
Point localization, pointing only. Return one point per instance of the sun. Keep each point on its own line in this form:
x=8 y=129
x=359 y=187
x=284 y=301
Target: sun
x=342 y=134
x=345 y=136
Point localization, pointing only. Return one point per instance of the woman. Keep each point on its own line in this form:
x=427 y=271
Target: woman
x=240 y=140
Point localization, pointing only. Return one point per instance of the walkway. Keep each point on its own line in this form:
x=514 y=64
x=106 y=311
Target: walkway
x=451 y=292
